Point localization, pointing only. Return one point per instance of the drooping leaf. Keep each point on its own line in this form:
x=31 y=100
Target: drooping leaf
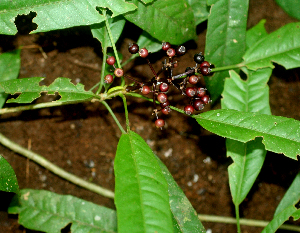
x=10 y=64
x=291 y=197
x=279 y=219
x=116 y=26
x=165 y=20
x=225 y=39
x=292 y=7
x=46 y=211
x=280 y=134
x=256 y=33
x=200 y=10
x=183 y=212
x=141 y=191
x=58 y=14
x=8 y=179
x=281 y=47
x=31 y=90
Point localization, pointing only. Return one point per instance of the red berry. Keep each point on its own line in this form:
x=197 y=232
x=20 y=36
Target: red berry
x=119 y=72
x=166 y=46
x=189 y=109
x=111 y=60
x=171 y=52
x=145 y=90
x=162 y=98
x=166 y=110
x=159 y=123
x=191 y=91
x=163 y=87
x=180 y=50
x=193 y=79
x=198 y=58
x=205 y=63
x=205 y=99
x=198 y=105
x=143 y=52
x=165 y=104
x=205 y=70
x=201 y=92
x=108 y=78
x=133 y=48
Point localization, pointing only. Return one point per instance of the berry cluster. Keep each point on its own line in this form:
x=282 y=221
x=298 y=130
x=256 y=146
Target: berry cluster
x=159 y=85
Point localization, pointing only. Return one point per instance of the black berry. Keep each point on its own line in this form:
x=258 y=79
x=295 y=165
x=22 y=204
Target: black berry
x=108 y=79
x=143 y=52
x=133 y=48
x=159 y=123
x=162 y=98
x=198 y=58
x=205 y=70
x=198 y=104
x=163 y=87
x=119 y=72
x=111 y=60
x=180 y=50
x=189 y=109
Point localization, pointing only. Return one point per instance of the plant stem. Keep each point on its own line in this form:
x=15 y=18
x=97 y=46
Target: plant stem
x=237 y=216
x=126 y=112
x=227 y=67
x=245 y=222
x=104 y=51
x=54 y=169
x=113 y=116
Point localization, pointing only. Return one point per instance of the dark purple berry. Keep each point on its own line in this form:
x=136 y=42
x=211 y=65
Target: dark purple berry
x=133 y=48
x=205 y=63
x=119 y=72
x=145 y=90
x=162 y=98
x=111 y=60
x=193 y=79
x=108 y=78
x=165 y=46
x=189 y=109
x=180 y=50
x=205 y=70
x=198 y=104
x=166 y=110
x=165 y=104
x=191 y=91
x=201 y=92
x=143 y=52
x=159 y=123
x=171 y=52
x=205 y=99
x=198 y=58
x=163 y=87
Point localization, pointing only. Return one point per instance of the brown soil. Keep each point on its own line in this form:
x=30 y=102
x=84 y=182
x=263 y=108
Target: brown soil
x=73 y=136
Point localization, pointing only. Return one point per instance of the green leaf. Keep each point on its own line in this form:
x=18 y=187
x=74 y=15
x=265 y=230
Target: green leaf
x=256 y=33
x=8 y=179
x=146 y=40
x=116 y=26
x=42 y=210
x=165 y=20
x=10 y=64
x=280 y=134
x=58 y=14
x=291 y=197
x=183 y=212
x=292 y=7
x=279 y=219
x=225 y=39
x=141 y=191
x=281 y=47
x=200 y=10
x=31 y=90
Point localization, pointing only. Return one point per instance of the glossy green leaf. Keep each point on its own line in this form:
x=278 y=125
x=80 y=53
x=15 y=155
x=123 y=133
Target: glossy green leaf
x=280 y=134
x=31 y=90
x=165 y=20
x=8 y=179
x=141 y=191
x=279 y=219
x=200 y=10
x=10 y=64
x=256 y=33
x=183 y=212
x=58 y=14
x=46 y=211
x=292 y=7
x=116 y=26
x=291 y=197
x=225 y=39
x=281 y=47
